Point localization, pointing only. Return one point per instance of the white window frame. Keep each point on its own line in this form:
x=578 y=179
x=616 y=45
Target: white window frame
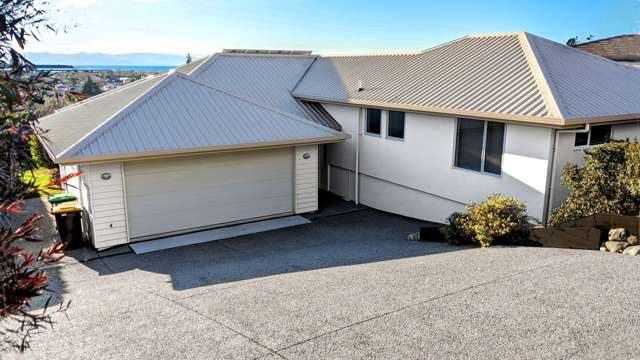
x=484 y=145
x=366 y=122
x=404 y=126
x=588 y=144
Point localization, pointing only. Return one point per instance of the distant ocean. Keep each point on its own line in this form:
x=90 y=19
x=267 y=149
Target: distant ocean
x=107 y=68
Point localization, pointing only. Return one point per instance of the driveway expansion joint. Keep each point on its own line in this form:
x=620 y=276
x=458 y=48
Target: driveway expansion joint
x=182 y=305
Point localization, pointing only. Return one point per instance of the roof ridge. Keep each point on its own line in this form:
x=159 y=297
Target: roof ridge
x=541 y=77
x=106 y=124
x=210 y=59
x=254 y=103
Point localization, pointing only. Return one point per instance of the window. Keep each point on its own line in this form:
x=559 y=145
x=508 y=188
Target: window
x=595 y=136
x=395 y=124
x=479 y=145
x=373 y=121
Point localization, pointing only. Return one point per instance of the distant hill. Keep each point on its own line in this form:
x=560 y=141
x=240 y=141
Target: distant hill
x=148 y=59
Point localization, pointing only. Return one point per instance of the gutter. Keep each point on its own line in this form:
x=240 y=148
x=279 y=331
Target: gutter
x=201 y=150
x=554 y=162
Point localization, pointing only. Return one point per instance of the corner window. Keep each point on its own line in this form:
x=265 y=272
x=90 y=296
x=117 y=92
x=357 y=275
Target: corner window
x=597 y=135
x=373 y=121
x=479 y=145
x=395 y=124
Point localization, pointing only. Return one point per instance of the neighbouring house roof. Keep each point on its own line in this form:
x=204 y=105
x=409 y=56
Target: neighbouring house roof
x=512 y=76
x=183 y=115
x=618 y=48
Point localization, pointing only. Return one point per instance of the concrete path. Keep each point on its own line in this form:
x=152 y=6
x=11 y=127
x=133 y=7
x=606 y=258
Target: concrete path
x=347 y=287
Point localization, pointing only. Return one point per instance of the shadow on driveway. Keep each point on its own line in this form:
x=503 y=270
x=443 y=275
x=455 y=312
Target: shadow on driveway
x=356 y=237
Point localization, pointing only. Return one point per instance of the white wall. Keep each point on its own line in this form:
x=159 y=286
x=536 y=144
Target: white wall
x=306 y=179
x=416 y=177
x=567 y=152
x=107 y=204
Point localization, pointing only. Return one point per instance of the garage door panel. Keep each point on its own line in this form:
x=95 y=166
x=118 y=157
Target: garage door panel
x=219 y=197
x=174 y=194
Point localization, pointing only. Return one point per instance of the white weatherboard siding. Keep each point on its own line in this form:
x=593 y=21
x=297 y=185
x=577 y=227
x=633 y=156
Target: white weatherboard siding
x=306 y=178
x=106 y=206
x=171 y=195
x=73 y=185
x=416 y=177
x=567 y=152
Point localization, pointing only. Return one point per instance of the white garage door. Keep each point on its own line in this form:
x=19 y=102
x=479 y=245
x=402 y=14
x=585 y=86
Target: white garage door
x=174 y=194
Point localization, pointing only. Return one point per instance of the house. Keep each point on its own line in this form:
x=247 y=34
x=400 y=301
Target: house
x=622 y=48
x=247 y=134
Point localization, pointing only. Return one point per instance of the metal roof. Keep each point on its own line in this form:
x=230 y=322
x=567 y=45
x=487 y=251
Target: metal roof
x=68 y=125
x=265 y=78
x=584 y=85
x=183 y=115
x=511 y=76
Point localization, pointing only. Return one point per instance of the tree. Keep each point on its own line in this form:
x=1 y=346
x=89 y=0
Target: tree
x=609 y=183
x=575 y=41
x=90 y=87
x=188 y=58
x=22 y=275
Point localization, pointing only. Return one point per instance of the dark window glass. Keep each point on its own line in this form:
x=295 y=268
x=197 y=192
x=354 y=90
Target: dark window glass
x=373 y=121
x=582 y=139
x=493 y=147
x=469 y=144
x=395 y=127
x=600 y=134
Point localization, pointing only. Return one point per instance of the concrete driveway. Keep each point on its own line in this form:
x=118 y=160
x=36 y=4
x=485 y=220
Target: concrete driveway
x=347 y=287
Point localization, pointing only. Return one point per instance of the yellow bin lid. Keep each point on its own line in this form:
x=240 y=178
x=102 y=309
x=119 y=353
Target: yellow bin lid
x=69 y=206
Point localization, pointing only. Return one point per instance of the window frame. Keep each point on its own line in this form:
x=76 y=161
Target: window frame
x=366 y=122
x=404 y=125
x=588 y=144
x=484 y=148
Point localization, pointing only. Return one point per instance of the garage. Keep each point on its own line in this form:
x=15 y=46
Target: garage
x=179 y=194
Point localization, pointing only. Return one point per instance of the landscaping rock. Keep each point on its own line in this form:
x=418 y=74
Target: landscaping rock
x=604 y=249
x=633 y=240
x=616 y=246
x=618 y=234
x=632 y=250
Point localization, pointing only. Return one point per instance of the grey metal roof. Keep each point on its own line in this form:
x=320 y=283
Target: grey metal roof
x=264 y=78
x=188 y=68
x=585 y=85
x=513 y=76
x=181 y=114
x=68 y=125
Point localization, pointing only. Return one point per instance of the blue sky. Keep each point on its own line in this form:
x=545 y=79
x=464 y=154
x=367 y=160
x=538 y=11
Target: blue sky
x=327 y=26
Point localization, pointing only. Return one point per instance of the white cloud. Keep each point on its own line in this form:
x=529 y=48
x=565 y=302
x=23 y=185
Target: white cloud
x=65 y=4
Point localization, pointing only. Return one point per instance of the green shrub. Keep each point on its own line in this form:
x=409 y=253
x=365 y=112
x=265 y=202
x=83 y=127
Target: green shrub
x=455 y=231
x=609 y=182
x=498 y=220
x=38 y=154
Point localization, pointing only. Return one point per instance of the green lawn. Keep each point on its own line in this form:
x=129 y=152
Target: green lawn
x=42 y=178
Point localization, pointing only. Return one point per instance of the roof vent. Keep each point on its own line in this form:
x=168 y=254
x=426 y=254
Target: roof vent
x=266 y=52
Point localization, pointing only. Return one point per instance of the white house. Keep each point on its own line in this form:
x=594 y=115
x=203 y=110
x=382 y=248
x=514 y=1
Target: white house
x=244 y=135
